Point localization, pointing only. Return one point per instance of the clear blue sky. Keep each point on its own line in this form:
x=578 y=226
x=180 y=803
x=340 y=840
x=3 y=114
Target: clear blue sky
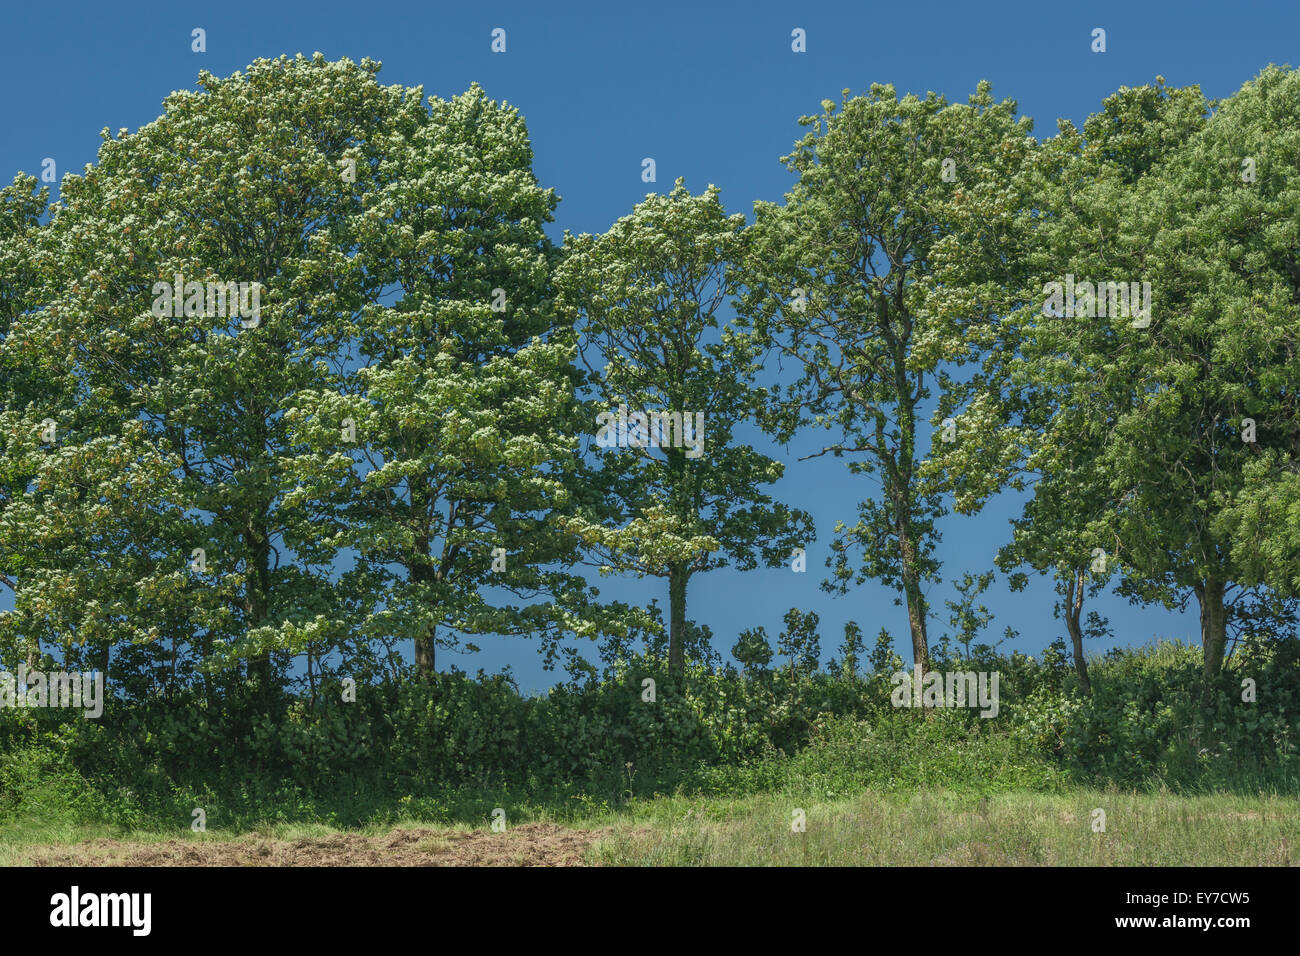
x=713 y=92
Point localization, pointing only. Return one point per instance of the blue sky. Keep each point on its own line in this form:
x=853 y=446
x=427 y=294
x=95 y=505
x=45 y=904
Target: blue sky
x=711 y=91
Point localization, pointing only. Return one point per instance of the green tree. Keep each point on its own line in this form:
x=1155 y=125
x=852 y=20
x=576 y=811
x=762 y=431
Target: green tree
x=799 y=641
x=753 y=650
x=1134 y=419
x=1252 y=204
x=441 y=459
x=22 y=204
x=82 y=494
x=683 y=493
x=1214 y=418
x=1031 y=416
x=255 y=179
x=28 y=390
x=851 y=649
x=836 y=281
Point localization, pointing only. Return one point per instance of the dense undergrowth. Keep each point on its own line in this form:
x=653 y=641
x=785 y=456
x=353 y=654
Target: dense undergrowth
x=454 y=749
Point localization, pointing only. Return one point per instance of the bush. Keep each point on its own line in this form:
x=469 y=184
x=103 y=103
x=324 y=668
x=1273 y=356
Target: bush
x=459 y=745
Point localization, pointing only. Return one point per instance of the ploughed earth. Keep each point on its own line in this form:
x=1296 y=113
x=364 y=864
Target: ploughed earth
x=528 y=844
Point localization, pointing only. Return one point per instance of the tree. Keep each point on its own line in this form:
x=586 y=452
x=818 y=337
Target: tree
x=753 y=650
x=441 y=458
x=1215 y=416
x=203 y=262
x=1255 y=214
x=799 y=641
x=81 y=578
x=835 y=280
x=26 y=384
x=967 y=618
x=22 y=205
x=1133 y=413
x=670 y=385
x=851 y=649
x=1030 y=417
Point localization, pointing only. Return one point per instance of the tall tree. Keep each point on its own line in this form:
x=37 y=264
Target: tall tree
x=671 y=385
x=1258 y=223
x=1133 y=412
x=256 y=180
x=1007 y=430
x=442 y=456
x=836 y=281
x=27 y=395
x=1215 y=379
x=82 y=495
x=22 y=205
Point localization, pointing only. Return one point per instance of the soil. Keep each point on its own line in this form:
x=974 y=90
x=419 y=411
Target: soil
x=529 y=844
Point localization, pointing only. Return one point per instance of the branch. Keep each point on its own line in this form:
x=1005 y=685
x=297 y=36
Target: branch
x=839 y=448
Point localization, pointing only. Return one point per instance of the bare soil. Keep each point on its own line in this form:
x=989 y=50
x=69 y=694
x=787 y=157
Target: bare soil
x=529 y=844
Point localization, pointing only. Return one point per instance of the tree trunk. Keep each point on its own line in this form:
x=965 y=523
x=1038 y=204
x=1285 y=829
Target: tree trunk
x=424 y=649
x=899 y=472
x=422 y=573
x=205 y=654
x=256 y=604
x=311 y=677
x=912 y=593
x=1075 y=585
x=677 y=577
x=1214 y=634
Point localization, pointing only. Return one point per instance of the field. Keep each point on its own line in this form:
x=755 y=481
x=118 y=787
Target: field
x=926 y=828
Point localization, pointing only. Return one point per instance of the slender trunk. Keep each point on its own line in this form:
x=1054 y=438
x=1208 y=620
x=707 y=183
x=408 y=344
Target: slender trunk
x=393 y=657
x=311 y=677
x=1073 y=610
x=422 y=572
x=677 y=577
x=1214 y=633
x=425 y=643
x=257 y=606
x=33 y=662
x=900 y=472
x=912 y=593
x=205 y=655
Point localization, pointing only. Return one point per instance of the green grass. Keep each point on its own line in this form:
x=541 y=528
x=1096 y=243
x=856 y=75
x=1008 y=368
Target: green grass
x=913 y=828
x=929 y=828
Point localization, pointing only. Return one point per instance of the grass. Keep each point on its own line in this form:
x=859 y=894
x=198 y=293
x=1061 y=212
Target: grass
x=928 y=828
x=875 y=828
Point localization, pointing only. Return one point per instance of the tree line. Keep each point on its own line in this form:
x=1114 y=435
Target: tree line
x=391 y=444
